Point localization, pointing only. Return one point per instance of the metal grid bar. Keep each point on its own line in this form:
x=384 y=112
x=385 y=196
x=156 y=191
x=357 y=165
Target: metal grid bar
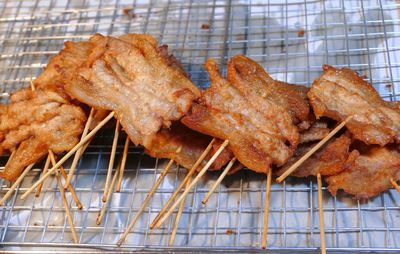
x=282 y=36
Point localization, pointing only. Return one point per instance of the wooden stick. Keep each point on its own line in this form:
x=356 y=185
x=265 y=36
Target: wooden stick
x=146 y=201
x=185 y=180
x=70 y=187
x=177 y=219
x=109 y=193
x=16 y=183
x=32 y=85
x=394 y=184
x=321 y=215
x=80 y=151
x=45 y=168
x=313 y=150
x=196 y=179
x=266 y=210
x=69 y=154
x=123 y=162
x=219 y=180
x=111 y=162
x=67 y=211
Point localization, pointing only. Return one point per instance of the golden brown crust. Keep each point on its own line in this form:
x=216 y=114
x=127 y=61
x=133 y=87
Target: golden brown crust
x=260 y=131
x=130 y=76
x=317 y=131
x=192 y=145
x=329 y=160
x=248 y=76
x=339 y=93
x=33 y=123
x=368 y=174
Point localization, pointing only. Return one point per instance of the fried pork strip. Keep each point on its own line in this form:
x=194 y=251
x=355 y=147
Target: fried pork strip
x=264 y=92
x=317 y=131
x=131 y=76
x=260 y=131
x=369 y=174
x=34 y=122
x=67 y=60
x=192 y=145
x=329 y=160
x=47 y=118
x=339 y=93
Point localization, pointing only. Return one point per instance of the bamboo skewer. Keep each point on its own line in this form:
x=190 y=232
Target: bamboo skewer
x=195 y=180
x=177 y=219
x=266 y=210
x=45 y=168
x=109 y=192
x=80 y=151
x=219 y=180
x=313 y=150
x=184 y=181
x=70 y=188
x=16 y=183
x=32 y=85
x=111 y=162
x=68 y=212
x=146 y=201
x=394 y=184
x=321 y=215
x=123 y=162
x=69 y=154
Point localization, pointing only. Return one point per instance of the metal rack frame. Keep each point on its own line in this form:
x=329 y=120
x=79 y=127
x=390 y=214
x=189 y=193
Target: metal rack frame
x=291 y=39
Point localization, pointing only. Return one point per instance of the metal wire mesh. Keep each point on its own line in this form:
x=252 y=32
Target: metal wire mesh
x=291 y=39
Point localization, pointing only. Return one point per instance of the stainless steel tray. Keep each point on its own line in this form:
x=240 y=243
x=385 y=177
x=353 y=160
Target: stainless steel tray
x=291 y=39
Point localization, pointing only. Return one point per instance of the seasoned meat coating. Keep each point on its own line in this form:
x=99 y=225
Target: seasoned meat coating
x=34 y=122
x=192 y=145
x=264 y=92
x=369 y=174
x=67 y=60
x=133 y=77
x=329 y=160
x=260 y=132
x=317 y=131
x=339 y=93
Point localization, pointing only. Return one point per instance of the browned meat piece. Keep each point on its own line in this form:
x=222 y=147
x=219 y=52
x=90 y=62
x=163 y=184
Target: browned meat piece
x=260 y=131
x=264 y=92
x=131 y=76
x=317 y=131
x=70 y=57
x=339 y=93
x=329 y=160
x=369 y=174
x=33 y=123
x=192 y=146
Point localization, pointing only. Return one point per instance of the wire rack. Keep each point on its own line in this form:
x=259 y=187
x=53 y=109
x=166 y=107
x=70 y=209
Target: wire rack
x=291 y=39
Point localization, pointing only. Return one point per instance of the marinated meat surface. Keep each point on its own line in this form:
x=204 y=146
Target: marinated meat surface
x=34 y=122
x=233 y=112
x=66 y=61
x=265 y=93
x=328 y=160
x=317 y=131
x=192 y=145
x=131 y=76
x=339 y=93
x=369 y=174
x=65 y=64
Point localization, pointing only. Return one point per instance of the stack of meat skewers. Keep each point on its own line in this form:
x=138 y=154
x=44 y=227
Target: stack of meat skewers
x=246 y=120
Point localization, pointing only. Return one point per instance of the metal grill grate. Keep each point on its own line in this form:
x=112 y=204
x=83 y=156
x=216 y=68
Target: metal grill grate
x=291 y=40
